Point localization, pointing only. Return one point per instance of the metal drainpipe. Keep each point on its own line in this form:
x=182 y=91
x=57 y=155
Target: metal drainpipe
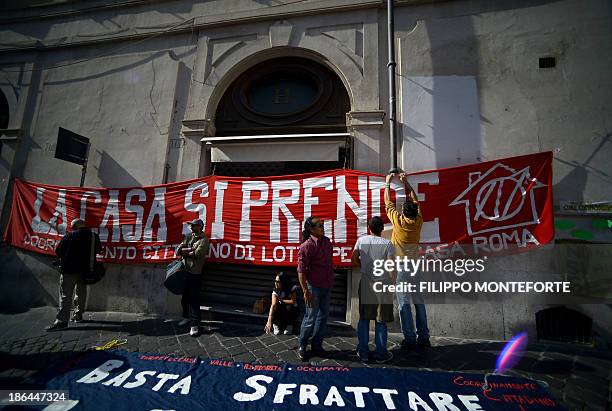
x=391 y=68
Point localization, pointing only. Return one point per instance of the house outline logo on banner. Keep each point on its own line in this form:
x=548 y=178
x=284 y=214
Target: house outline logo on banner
x=482 y=190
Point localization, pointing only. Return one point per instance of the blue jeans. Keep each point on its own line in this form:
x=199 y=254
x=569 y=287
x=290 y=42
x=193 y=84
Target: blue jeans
x=380 y=338
x=315 y=318
x=405 y=313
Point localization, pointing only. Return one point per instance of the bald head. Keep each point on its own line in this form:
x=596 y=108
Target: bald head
x=77 y=223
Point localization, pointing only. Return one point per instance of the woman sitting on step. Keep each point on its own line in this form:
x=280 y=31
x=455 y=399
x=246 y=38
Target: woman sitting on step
x=284 y=307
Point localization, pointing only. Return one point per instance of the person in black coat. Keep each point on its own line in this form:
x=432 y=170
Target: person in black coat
x=74 y=251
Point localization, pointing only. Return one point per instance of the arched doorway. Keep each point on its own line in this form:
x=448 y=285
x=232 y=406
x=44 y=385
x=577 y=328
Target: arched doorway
x=282 y=116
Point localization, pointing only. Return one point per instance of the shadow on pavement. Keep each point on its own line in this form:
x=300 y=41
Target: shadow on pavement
x=32 y=370
x=153 y=327
x=466 y=357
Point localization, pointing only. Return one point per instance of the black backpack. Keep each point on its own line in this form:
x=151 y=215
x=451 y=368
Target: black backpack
x=96 y=269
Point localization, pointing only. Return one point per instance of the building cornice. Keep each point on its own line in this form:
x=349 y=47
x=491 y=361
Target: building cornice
x=204 y=22
x=197 y=128
x=10 y=134
x=61 y=10
x=356 y=120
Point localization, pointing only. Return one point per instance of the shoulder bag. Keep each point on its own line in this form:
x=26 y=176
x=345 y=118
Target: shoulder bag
x=96 y=269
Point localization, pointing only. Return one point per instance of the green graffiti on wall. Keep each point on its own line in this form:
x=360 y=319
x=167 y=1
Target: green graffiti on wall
x=602 y=224
x=564 y=224
x=589 y=229
x=582 y=234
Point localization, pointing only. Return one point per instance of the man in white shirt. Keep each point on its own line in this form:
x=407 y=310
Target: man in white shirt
x=374 y=305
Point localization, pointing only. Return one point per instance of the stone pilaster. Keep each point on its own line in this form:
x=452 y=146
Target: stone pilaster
x=367 y=130
x=194 y=160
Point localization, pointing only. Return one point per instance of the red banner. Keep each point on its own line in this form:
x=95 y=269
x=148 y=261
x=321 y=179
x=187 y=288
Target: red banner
x=490 y=207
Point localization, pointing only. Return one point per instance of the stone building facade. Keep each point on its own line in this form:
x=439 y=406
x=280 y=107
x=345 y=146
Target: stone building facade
x=152 y=83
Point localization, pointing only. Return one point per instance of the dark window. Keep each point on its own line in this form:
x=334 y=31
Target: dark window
x=295 y=95
x=4 y=111
x=563 y=324
x=547 y=62
x=282 y=95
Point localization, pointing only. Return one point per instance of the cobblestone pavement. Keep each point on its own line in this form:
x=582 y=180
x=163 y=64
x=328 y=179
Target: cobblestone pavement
x=578 y=376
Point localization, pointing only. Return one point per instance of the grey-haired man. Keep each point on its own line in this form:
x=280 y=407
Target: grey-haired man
x=74 y=251
x=193 y=251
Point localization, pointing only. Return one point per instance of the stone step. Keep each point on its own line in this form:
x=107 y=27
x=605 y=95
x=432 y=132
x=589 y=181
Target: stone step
x=233 y=314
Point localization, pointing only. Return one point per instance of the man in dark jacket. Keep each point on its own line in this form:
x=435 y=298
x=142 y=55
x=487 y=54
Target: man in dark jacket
x=193 y=251
x=74 y=251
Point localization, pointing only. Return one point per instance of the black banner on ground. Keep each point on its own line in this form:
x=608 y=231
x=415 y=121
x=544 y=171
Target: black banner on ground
x=116 y=380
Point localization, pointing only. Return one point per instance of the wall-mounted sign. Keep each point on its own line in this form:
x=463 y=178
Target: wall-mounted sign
x=71 y=147
x=575 y=207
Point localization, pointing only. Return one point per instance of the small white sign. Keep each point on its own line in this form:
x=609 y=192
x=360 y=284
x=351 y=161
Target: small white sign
x=574 y=207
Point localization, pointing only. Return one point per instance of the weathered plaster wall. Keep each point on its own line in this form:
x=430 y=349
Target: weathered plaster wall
x=123 y=103
x=472 y=89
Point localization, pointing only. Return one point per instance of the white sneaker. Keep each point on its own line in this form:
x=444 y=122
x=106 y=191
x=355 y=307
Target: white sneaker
x=183 y=322
x=276 y=329
x=194 y=331
x=288 y=330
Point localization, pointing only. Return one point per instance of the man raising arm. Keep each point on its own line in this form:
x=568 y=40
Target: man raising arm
x=405 y=237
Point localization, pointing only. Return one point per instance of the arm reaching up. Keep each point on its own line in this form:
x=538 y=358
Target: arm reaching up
x=409 y=190
x=392 y=213
x=388 y=187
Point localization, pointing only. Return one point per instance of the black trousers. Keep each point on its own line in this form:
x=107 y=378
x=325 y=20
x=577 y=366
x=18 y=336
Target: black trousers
x=285 y=315
x=67 y=286
x=190 y=300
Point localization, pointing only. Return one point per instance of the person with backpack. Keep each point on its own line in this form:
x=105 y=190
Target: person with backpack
x=193 y=251
x=75 y=253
